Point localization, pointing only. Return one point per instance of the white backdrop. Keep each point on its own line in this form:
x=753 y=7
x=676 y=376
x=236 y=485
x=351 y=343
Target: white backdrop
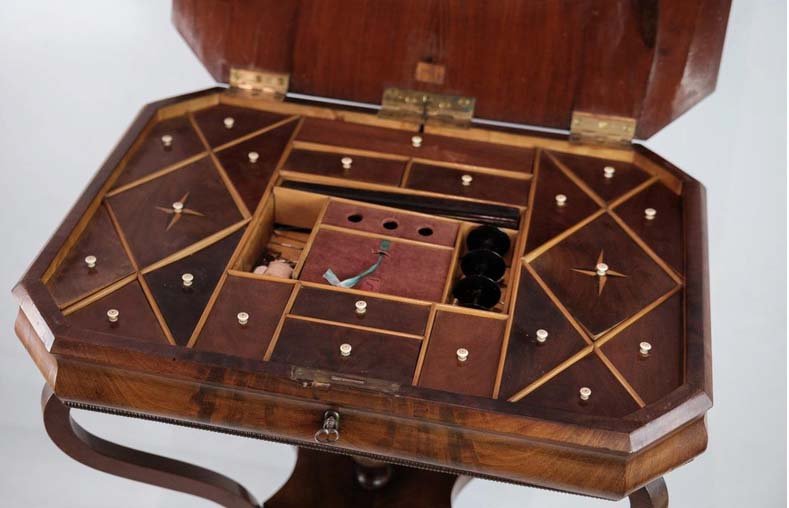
x=74 y=74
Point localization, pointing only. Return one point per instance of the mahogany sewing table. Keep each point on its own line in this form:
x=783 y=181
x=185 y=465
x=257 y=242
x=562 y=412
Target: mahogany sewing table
x=405 y=293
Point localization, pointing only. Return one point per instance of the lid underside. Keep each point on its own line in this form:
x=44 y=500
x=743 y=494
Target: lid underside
x=525 y=61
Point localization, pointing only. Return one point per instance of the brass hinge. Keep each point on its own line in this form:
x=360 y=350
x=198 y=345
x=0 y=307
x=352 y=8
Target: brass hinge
x=427 y=107
x=260 y=84
x=591 y=129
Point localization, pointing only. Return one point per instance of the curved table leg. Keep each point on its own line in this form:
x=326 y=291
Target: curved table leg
x=652 y=495
x=108 y=457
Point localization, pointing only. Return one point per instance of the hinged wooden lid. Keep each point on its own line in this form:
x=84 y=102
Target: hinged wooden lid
x=525 y=61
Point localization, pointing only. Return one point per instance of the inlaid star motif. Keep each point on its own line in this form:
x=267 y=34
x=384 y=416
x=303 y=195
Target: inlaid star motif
x=177 y=210
x=601 y=271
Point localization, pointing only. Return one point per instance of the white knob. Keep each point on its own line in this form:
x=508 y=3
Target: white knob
x=178 y=207
x=650 y=213
x=345 y=349
x=644 y=348
x=346 y=162
x=462 y=354
x=602 y=269
x=542 y=336
x=243 y=318
x=187 y=279
x=466 y=180
x=229 y=122
x=585 y=393
x=361 y=307
x=90 y=261
x=167 y=141
x=416 y=141
x=253 y=157
x=609 y=171
x=561 y=200
x=112 y=315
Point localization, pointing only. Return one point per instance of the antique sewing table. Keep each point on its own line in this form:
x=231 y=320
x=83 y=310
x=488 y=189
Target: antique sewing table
x=251 y=261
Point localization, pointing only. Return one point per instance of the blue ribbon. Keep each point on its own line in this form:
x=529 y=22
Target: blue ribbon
x=330 y=276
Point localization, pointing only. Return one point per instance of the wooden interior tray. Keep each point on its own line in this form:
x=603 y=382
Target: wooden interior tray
x=591 y=372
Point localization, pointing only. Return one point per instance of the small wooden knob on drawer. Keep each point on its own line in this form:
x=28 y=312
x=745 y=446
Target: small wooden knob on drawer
x=466 y=180
x=650 y=214
x=561 y=200
x=113 y=315
x=345 y=349
x=644 y=348
x=187 y=279
x=416 y=141
x=609 y=171
x=346 y=162
x=229 y=122
x=90 y=261
x=361 y=307
x=542 y=336
x=585 y=393
x=243 y=318
x=462 y=354
x=253 y=157
x=167 y=141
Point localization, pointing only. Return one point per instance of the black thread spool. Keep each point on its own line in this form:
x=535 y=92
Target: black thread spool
x=477 y=292
x=483 y=262
x=490 y=238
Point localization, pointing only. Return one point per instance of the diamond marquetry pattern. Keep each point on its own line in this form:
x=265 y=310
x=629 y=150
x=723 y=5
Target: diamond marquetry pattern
x=640 y=279
x=143 y=216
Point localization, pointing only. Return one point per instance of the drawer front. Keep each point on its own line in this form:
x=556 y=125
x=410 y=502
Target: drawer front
x=480 y=336
x=373 y=355
x=382 y=221
x=365 y=169
x=263 y=301
x=482 y=186
x=341 y=307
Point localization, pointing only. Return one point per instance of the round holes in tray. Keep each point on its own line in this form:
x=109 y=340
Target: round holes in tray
x=425 y=231
x=390 y=224
x=355 y=217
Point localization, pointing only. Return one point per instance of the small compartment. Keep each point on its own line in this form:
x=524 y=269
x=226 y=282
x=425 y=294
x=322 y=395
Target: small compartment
x=251 y=163
x=96 y=260
x=166 y=143
x=349 y=165
x=280 y=233
x=223 y=123
x=470 y=184
x=540 y=339
x=124 y=312
x=663 y=231
x=609 y=179
x=344 y=307
x=603 y=394
x=410 y=270
x=365 y=354
x=356 y=135
x=391 y=222
x=458 y=335
x=650 y=353
x=487 y=264
x=183 y=288
x=476 y=153
x=243 y=319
